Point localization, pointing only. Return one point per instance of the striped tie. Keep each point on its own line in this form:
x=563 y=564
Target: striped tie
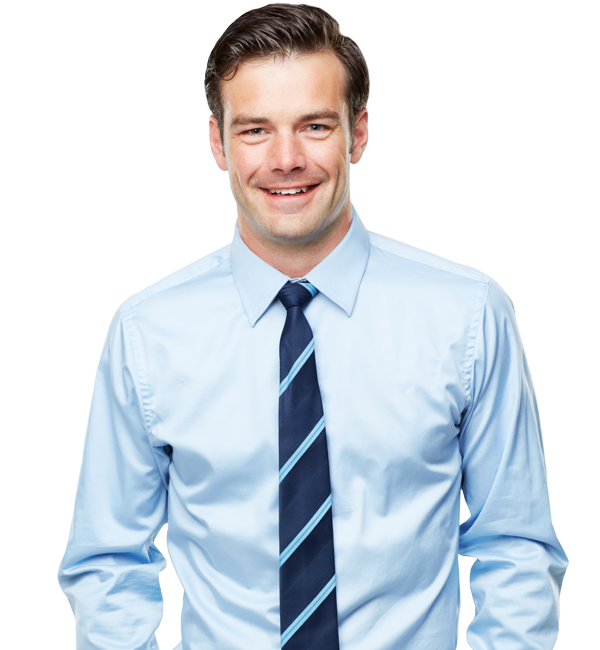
x=306 y=562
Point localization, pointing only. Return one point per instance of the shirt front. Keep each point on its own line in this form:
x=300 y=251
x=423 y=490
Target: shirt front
x=425 y=391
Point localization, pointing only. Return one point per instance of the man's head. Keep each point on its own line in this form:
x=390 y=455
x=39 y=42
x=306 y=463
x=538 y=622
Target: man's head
x=278 y=31
x=288 y=95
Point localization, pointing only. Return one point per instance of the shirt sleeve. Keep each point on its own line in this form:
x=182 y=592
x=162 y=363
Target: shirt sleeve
x=519 y=562
x=110 y=569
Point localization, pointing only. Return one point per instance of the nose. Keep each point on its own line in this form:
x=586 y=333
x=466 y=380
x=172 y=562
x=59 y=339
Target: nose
x=287 y=153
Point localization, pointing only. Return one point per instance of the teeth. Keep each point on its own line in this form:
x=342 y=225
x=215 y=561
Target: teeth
x=293 y=190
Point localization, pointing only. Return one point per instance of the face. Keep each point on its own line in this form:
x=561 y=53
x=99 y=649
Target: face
x=287 y=148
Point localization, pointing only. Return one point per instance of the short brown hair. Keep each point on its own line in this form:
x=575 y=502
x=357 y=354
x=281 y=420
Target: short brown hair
x=280 y=30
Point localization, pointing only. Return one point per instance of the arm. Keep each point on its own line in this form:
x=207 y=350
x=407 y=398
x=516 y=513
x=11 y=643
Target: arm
x=110 y=569
x=520 y=564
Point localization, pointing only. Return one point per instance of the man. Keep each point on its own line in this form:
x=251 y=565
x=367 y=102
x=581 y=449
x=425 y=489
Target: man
x=304 y=405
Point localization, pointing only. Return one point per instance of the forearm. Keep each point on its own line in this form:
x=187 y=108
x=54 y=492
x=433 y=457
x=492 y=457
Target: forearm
x=515 y=584
x=115 y=596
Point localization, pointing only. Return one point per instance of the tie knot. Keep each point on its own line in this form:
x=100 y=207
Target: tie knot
x=296 y=294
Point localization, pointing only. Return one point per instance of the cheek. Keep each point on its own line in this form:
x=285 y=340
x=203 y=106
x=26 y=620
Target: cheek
x=337 y=170
x=246 y=163
x=333 y=159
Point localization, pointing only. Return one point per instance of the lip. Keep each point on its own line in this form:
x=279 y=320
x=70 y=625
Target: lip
x=289 y=197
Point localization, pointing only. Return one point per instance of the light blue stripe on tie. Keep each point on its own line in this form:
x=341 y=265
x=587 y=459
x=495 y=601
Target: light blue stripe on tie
x=306 y=443
x=305 y=532
x=295 y=626
x=309 y=286
x=295 y=369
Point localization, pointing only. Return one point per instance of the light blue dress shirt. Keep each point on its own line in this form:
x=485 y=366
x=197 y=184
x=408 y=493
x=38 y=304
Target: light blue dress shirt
x=425 y=390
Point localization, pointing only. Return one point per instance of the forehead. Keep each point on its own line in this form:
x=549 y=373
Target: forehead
x=281 y=88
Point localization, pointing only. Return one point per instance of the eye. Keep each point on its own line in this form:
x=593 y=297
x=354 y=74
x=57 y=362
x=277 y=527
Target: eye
x=316 y=127
x=256 y=131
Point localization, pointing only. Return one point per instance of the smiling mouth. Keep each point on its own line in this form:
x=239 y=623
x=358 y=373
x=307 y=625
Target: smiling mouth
x=289 y=191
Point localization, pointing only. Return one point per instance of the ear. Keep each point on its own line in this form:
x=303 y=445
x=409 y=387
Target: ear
x=361 y=136
x=216 y=146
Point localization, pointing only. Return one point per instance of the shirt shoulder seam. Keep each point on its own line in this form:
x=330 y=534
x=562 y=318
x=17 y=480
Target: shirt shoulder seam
x=144 y=388
x=474 y=333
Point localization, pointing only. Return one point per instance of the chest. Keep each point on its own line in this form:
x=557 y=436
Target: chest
x=391 y=384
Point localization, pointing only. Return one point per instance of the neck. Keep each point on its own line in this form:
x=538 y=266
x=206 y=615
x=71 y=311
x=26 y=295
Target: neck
x=295 y=259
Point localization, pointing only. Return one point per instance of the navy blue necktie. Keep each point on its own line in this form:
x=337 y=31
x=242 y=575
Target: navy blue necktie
x=306 y=561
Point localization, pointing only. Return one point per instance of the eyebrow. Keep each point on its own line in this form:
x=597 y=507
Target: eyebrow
x=245 y=120
x=321 y=115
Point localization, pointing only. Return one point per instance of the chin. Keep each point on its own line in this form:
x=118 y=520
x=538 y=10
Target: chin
x=297 y=233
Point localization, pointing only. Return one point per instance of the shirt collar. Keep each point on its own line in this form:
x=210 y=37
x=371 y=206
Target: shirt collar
x=338 y=276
